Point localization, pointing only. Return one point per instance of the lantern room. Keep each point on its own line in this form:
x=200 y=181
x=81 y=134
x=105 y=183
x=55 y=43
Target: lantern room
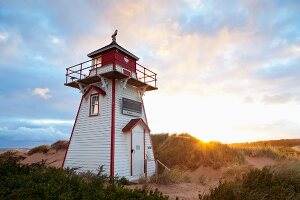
x=111 y=61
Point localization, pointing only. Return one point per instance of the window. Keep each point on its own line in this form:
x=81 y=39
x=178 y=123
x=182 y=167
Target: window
x=94 y=106
x=97 y=62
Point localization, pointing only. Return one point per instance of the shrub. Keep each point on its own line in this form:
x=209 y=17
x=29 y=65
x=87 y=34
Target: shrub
x=60 y=145
x=39 y=149
x=10 y=157
x=123 y=181
x=40 y=182
x=259 y=184
x=169 y=177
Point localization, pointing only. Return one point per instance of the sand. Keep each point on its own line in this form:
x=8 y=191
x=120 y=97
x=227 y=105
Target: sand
x=296 y=148
x=201 y=180
x=52 y=158
x=260 y=162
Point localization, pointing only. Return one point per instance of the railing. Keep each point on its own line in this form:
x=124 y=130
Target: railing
x=82 y=70
x=157 y=162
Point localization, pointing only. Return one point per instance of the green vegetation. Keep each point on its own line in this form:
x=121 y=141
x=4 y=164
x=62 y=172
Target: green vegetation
x=39 y=149
x=188 y=153
x=40 y=182
x=268 y=183
x=59 y=145
x=10 y=156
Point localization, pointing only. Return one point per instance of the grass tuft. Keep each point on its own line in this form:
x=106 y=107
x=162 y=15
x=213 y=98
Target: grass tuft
x=60 y=145
x=39 y=149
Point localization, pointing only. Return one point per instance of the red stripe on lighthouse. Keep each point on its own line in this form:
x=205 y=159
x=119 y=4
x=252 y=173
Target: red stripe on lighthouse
x=131 y=152
x=72 y=132
x=112 y=136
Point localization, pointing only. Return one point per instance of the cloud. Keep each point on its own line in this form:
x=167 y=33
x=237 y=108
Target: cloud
x=247 y=50
x=28 y=136
x=42 y=92
x=3 y=37
x=47 y=121
x=55 y=40
x=277 y=98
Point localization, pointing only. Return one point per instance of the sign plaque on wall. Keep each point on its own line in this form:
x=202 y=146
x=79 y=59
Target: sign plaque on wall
x=131 y=107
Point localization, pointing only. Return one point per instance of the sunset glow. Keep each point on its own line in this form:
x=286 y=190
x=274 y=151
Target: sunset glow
x=227 y=71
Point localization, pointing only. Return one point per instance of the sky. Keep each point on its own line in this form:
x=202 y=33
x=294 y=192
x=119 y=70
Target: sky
x=227 y=70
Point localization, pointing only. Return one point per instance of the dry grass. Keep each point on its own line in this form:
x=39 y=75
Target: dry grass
x=268 y=143
x=60 y=145
x=188 y=153
x=277 y=153
x=39 y=149
x=170 y=177
x=236 y=172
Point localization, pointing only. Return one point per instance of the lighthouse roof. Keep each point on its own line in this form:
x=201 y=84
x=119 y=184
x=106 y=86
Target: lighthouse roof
x=132 y=123
x=112 y=45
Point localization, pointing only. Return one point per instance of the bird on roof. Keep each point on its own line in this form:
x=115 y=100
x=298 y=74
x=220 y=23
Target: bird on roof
x=114 y=35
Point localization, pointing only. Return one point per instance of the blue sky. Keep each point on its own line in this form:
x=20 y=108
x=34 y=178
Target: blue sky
x=228 y=71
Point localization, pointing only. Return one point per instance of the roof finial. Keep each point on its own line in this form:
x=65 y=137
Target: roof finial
x=114 y=35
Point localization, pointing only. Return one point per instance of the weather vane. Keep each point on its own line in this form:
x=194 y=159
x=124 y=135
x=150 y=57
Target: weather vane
x=114 y=35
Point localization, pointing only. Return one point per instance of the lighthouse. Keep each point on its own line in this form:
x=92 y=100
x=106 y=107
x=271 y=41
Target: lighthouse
x=111 y=127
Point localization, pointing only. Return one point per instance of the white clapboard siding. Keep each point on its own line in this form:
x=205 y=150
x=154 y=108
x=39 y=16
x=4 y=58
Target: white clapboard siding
x=90 y=144
x=149 y=155
x=122 y=140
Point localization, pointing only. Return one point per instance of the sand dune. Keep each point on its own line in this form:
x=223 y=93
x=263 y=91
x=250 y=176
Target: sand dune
x=201 y=180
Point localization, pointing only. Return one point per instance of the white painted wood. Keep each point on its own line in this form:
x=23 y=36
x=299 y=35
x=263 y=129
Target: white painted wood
x=149 y=155
x=101 y=70
x=138 y=151
x=90 y=143
x=122 y=145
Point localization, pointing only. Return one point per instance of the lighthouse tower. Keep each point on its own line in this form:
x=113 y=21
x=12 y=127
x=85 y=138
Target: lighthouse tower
x=111 y=128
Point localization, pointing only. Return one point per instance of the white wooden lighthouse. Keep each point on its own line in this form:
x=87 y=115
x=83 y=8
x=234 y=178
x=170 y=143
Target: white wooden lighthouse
x=111 y=127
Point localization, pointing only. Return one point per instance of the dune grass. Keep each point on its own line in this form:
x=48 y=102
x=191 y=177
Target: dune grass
x=39 y=149
x=188 y=153
x=59 y=145
x=279 y=182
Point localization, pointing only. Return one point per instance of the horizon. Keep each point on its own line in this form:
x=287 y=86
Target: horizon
x=228 y=76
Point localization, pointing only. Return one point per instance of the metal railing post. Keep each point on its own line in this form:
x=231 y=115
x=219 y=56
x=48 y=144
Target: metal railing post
x=144 y=75
x=67 y=75
x=80 y=71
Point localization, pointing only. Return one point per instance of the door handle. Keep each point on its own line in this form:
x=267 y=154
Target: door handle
x=132 y=151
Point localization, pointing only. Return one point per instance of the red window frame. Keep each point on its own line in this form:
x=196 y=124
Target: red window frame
x=90 y=109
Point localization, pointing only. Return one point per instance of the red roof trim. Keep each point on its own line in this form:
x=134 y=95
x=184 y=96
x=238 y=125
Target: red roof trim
x=132 y=123
x=92 y=87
